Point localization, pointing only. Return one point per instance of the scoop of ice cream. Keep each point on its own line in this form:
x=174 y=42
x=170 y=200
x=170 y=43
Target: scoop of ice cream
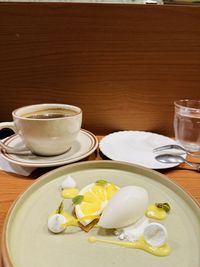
x=126 y=207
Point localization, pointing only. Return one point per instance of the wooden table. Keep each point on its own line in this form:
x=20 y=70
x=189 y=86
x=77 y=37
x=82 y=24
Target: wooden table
x=11 y=185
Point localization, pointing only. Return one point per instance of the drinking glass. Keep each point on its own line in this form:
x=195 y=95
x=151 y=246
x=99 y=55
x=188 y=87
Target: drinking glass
x=187 y=124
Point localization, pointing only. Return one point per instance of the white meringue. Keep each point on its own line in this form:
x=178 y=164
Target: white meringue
x=55 y=223
x=155 y=234
x=68 y=182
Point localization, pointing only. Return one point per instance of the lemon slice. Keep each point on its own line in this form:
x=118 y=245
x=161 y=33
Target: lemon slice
x=95 y=198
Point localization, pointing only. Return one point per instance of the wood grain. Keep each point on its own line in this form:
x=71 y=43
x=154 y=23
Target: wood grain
x=124 y=65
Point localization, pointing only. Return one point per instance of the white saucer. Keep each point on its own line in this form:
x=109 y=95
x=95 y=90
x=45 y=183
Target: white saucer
x=85 y=145
x=136 y=147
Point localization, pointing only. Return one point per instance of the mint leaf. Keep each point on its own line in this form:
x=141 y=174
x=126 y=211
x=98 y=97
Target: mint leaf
x=101 y=182
x=77 y=199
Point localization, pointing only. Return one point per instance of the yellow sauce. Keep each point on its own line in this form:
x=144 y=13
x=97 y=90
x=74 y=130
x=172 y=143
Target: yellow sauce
x=164 y=250
x=156 y=213
x=69 y=192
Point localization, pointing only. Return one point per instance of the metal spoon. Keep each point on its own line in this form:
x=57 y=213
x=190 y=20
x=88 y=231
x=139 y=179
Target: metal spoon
x=161 y=148
x=169 y=158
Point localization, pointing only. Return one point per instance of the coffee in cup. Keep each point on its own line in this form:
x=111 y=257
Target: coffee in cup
x=50 y=113
x=46 y=129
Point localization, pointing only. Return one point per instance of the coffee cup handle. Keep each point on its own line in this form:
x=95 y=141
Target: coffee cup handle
x=9 y=125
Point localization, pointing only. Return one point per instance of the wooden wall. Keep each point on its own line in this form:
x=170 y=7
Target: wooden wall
x=124 y=65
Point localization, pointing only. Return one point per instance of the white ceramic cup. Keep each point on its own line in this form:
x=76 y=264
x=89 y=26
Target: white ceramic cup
x=47 y=136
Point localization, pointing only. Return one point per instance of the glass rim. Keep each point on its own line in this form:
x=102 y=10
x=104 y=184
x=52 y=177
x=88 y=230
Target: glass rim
x=182 y=103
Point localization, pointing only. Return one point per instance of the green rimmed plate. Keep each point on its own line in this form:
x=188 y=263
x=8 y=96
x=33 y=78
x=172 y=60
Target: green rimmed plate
x=27 y=242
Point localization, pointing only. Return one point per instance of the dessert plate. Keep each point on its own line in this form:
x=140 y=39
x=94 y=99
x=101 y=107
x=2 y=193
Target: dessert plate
x=85 y=145
x=136 y=147
x=27 y=242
